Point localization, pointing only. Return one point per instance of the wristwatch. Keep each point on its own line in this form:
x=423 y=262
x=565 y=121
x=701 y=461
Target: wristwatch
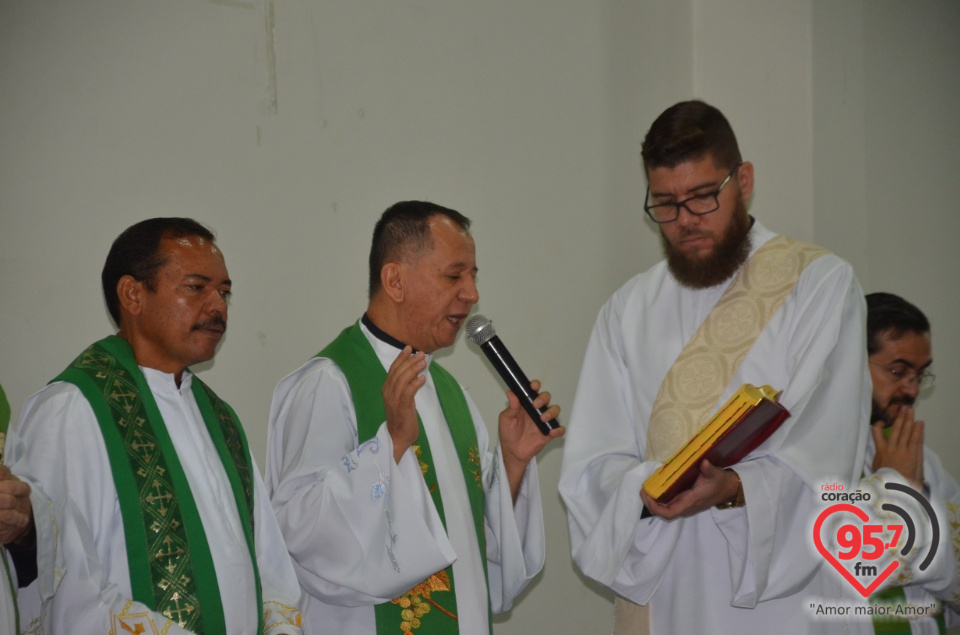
x=738 y=500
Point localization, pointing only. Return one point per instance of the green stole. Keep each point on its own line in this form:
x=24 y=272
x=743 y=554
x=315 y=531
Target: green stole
x=893 y=596
x=365 y=374
x=171 y=568
x=893 y=624
x=4 y=422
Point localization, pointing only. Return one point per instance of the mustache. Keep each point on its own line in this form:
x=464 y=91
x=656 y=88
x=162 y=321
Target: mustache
x=906 y=400
x=879 y=413
x=215 y=321
x=690 y=232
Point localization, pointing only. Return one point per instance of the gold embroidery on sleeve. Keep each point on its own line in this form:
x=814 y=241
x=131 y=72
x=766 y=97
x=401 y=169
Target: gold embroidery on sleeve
x=276 y=613
x=133 y=623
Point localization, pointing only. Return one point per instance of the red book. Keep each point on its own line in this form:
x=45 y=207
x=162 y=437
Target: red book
x=748 y=418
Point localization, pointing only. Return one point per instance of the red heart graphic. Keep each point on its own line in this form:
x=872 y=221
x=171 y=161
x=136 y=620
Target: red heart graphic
x=862 y=515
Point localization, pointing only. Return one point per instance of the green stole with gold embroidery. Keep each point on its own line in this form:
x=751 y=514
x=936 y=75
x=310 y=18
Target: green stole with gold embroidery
x=429 y=608
x=894 y=624
x=171 y=567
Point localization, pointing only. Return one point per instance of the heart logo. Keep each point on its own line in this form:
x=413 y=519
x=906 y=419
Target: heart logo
x=862 y=515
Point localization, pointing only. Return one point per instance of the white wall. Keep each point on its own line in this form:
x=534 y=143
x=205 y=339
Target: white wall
x=886 y=138
x=289 y=125
x=752 y=60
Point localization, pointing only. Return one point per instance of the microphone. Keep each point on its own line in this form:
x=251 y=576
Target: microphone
x=481 y=332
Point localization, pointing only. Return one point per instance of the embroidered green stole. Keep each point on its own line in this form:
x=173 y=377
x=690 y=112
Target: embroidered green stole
x=894 y=624
x=429 y=608
x=4 y=422
x=171 y=567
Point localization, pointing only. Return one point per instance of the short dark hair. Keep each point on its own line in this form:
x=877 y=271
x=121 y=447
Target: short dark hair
x=688 y=131
x=404 y=231
x=136 y=252
x=889 y=313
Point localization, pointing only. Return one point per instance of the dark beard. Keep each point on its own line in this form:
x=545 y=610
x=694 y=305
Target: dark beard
x=878 y=412
x=729 y=254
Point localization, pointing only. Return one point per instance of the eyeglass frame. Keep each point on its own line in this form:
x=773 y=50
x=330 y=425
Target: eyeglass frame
x=902 y=373
x=715 y=194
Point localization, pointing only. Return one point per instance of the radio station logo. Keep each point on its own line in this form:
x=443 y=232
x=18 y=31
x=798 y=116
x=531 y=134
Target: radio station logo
x=867 y=552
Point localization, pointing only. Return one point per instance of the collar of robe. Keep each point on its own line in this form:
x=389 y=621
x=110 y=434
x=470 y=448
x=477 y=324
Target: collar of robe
x=382 y=335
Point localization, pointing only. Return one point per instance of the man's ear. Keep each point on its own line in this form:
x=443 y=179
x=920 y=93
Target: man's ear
x=131 y=293
x=392 y=280
x=745 y=180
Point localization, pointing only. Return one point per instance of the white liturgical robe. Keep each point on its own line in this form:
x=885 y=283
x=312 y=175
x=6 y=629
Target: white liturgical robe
x=50 y=563
x=941 y=580
x=363 y=529
x=742 y=570
x=65 y=453
x=8 y=583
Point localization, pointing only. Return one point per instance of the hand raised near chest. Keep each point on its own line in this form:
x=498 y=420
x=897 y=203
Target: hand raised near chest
x=401 y=386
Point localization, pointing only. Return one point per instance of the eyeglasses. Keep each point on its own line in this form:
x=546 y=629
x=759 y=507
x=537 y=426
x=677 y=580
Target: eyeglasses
x=697 y=205
x=902 y=374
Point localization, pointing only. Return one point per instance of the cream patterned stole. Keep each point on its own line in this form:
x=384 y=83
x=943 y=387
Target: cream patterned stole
x=694 y=384
x=697 y=379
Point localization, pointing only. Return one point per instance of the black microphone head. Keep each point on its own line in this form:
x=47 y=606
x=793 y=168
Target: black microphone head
x=480 y=329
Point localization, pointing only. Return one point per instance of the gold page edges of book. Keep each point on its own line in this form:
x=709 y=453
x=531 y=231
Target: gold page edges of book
x=748 y=418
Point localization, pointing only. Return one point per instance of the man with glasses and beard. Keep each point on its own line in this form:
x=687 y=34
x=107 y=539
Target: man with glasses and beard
x=732 y=304
x=898 y=343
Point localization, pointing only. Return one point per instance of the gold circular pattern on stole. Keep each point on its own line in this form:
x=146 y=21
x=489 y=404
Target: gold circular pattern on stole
x=668 y=438
x=774 y=269
x=697 y=377
x=736 y=321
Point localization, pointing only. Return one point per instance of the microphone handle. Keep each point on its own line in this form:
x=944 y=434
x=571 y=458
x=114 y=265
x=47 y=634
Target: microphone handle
x=516 y=381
